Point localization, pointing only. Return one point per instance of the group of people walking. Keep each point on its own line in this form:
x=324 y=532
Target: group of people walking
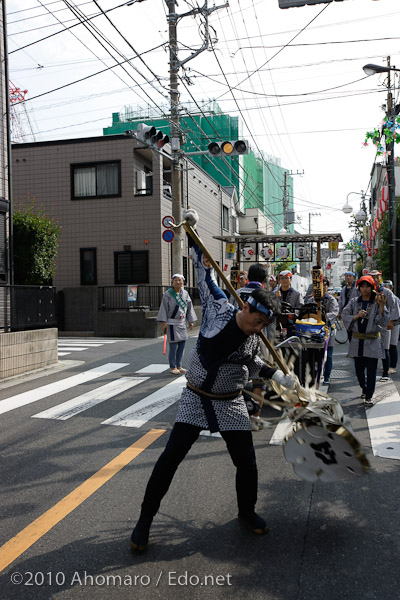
x=226 y=358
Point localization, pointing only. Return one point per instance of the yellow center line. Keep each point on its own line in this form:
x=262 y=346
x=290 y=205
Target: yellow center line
x=28 y=536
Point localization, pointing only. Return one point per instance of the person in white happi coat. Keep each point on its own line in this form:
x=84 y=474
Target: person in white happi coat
x=394 y=334
x=365 y=316
x=175 y=311
x=394 y=314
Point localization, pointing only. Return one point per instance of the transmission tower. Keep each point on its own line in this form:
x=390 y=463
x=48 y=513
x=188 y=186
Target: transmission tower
x=21 y=127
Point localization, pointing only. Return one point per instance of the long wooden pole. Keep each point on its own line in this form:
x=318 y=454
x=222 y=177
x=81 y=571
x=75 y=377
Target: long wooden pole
x=190 y=231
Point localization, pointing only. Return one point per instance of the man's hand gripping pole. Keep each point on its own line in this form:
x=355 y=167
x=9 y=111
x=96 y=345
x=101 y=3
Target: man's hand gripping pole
x=190 y=231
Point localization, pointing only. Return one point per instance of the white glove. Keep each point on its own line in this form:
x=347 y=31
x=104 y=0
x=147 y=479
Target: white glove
x=287 y=381
x=191 y=216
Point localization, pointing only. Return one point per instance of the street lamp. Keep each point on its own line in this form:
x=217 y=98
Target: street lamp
x=374 y=69
x=361 y=215
x=391 y=114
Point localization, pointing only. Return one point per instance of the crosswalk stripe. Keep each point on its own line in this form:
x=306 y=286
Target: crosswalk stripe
x=72 y=344
x=72 y=407
x=384 y=422
x=58 y=386
x=87 y=341
x=138 y=414
x=156 y=368
x=71 y=349
x=63 y=353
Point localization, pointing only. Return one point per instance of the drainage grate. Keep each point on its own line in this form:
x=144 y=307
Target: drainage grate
x=336 y=374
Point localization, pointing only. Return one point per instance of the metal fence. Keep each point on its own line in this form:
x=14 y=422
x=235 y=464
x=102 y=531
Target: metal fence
x=115 y=297
x=27 y=307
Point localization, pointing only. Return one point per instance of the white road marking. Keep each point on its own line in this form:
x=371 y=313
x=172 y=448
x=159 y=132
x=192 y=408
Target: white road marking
x=58 y=386
x=86 y=341
x=72 y=407
x=63 y=353
x=156 y=368
x=282 y=430
x=71 y=348
x=139 y=413
x=384 y=421
x=82 y=343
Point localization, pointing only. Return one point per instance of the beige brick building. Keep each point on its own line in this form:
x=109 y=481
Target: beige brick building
x=110 y=195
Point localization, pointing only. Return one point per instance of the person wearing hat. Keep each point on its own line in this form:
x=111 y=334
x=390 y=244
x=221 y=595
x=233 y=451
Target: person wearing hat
x=273 y=286
x=364 y=316
x=224 y=359
x=242 y=279
x=348 y=291
x=331 y=309
x=394 y=333
x=290 y=300
x=394 y=314
x=175 y=311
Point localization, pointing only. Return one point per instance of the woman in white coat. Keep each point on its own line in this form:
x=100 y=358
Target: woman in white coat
x=175 y=311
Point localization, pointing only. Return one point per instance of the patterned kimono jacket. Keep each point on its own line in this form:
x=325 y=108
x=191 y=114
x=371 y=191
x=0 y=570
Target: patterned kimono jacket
x=222 y=362
x=175 y=314
x=369 y=348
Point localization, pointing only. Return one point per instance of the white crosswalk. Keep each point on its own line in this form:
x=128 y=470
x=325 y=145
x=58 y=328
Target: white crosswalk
x=383 y=418
x=68 y=345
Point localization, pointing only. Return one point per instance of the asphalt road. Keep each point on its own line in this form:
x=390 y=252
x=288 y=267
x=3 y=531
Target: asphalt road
x=72 y=487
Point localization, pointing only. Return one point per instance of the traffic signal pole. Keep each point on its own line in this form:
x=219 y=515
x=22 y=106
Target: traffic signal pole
x=176 y=173
x=174 y=65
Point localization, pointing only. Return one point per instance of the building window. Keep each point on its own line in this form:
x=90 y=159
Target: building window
x=131 y=267
x=88 y=266
x=144 y=182
x=96 y=180
x=225 y=218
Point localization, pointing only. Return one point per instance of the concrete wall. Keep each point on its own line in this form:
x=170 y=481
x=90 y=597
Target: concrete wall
x=135 y=323
x=80 y=306
x=25 y=351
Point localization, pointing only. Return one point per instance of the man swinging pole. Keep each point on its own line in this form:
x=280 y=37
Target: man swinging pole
x=224 y=359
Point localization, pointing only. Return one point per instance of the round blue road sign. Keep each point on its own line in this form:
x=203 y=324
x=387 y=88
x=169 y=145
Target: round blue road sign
x=168 y=235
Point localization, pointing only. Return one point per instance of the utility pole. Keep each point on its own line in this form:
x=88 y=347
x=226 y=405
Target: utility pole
x=313 y=214
x=392 y=229
x=174 y=65
x=285 y=200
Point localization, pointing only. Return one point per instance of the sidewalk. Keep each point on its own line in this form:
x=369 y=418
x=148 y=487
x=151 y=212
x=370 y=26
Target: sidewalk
x=383 y=419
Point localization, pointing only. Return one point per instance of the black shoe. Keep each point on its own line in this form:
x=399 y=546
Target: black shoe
x=363 y=395
x=368 y=402
x=140 y=535
x=257 y=523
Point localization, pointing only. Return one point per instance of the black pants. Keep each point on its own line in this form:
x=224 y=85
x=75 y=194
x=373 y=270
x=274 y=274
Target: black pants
x=241 y=450
x=371 y=365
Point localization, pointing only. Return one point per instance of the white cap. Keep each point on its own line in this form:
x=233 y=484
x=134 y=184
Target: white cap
x=178 y=275
x=285 y=273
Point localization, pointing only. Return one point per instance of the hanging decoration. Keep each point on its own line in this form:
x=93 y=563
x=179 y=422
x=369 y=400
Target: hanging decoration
x=357 y=246
x=390 y=128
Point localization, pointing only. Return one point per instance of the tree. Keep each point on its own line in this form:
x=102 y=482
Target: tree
x=35 y=244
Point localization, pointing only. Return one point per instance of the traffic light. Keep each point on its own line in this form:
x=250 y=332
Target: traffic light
x=150 y=136
x=228 y=148
x=291 y=3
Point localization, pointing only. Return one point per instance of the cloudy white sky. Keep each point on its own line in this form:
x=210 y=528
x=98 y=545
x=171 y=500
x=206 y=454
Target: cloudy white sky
x=293 y=76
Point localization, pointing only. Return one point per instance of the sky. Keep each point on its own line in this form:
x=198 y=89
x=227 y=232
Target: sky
x=294 y=77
